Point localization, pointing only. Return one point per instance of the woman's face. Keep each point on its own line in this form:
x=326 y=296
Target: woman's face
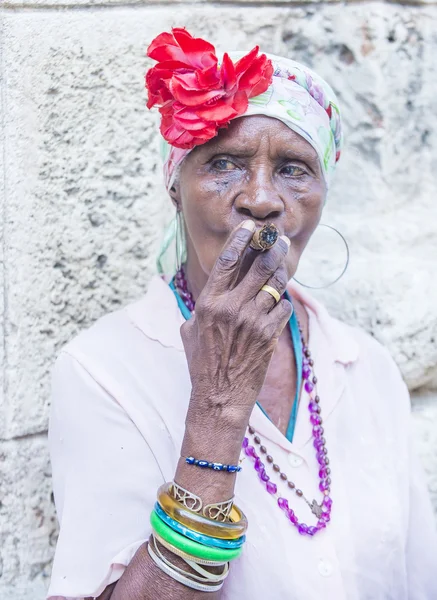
x=257 y=168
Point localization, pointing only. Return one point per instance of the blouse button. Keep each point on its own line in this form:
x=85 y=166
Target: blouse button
x=325 y=568
x=294 y=460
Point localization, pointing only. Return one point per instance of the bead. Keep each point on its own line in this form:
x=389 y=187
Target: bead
x=190 y=460
x=323 y=473
x=303 y=529
x=317 y=399
x=318 y=444
x=299 y=493
x=309 y=387
x=258 y=465
x=269 y=458
x=245 y=442
x=217 y=466
x=233 y=468
x=283 y=477
x=251 y=429
x=311 y=362
x=325 y=517
x=276 y=468
x=257 y=439
x=307 y=352
x=321 y=459
x=306 y=372
x=315 y=419
x=313 y=407
x=263 y=449
x=271 y=487
x=328 y=470
x=326 y=460
x=292 y=516
x=327 y=501
x=321 y=524
x=250 y=451
x=315 y=380
x=317 y=431
x=323 y=485
x=283 y=503
x=203 y=463
x=263 y=475
x=312 y=530
x=291 y=485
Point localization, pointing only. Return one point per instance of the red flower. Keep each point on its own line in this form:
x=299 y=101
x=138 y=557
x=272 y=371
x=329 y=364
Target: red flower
x=197 y=96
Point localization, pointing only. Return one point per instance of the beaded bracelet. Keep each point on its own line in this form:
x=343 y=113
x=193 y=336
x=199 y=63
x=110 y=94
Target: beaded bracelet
x=197 y=522
x=190 y=460
x=189 y=546
x=206 y=540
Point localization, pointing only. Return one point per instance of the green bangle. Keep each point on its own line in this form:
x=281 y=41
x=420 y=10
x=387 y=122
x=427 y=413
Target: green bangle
x=190 y=547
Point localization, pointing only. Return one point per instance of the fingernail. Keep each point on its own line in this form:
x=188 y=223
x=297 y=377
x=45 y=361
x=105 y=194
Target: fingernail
x=286 y=240
x=249 y=224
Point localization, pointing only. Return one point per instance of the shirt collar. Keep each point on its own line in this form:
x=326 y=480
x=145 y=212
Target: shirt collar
x=158 y=316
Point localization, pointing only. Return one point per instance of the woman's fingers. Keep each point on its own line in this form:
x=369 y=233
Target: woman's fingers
x=266 y=299
x=266 y=268
x=229 y=261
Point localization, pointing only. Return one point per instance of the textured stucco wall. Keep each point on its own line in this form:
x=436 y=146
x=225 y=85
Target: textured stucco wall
x=82 y=204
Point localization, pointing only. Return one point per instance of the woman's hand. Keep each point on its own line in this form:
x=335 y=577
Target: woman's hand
x=231 y=338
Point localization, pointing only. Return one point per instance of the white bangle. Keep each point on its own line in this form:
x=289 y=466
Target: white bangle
x=206 y=575
x=181 y=578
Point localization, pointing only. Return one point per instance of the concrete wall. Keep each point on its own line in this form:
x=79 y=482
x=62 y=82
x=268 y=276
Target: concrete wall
x=82 y=205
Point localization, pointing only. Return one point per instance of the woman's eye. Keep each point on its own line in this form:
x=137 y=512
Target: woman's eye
x=223 y=164
x=293 y=171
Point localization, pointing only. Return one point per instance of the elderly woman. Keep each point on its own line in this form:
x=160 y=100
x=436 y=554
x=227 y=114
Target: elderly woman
x=190 y=430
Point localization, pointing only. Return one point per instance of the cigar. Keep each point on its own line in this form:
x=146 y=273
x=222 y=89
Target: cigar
x=265 y=237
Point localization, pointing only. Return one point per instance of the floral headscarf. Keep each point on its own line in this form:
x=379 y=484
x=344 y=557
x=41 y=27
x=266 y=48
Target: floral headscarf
x=198 y=94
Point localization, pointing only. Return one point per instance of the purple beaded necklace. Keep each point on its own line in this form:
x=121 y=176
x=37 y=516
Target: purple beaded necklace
x=322 y=511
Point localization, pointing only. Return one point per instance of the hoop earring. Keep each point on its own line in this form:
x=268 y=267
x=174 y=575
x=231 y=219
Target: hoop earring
x=180 y=239
x=344 y=268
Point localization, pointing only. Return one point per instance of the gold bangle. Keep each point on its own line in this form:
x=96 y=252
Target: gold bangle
x=224 y=530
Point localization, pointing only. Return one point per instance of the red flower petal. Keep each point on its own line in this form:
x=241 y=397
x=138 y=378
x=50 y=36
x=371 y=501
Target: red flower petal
x=192 y=97
x=252 y=75
x=240 y=102
x=219 y=113
x=208 y=78
x=263 y=83
x=228 y=73
x=199 y=52
x=245 y=61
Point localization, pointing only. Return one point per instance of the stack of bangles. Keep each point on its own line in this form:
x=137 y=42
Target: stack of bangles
x=203 y=536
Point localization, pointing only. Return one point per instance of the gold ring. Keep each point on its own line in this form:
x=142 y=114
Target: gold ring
x=270 y=290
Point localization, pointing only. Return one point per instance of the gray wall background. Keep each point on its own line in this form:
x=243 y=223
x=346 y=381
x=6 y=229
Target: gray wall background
x=82 y=204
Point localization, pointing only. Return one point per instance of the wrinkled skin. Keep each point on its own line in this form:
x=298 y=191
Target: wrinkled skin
x=256 y=169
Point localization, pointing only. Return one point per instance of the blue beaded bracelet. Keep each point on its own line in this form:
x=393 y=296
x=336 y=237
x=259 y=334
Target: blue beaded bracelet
x=206 y=540
x=190 y=460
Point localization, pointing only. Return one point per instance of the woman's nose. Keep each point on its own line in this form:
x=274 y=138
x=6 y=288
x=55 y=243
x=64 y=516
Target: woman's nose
x=259 y=198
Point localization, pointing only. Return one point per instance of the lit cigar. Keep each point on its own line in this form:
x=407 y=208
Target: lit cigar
x=265 y=237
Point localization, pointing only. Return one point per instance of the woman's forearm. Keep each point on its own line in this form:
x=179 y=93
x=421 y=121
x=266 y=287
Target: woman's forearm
x=216 y=436
x=143 y=580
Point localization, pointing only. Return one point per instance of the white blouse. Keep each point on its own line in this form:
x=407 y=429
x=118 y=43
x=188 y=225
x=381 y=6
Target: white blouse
x=120 y=392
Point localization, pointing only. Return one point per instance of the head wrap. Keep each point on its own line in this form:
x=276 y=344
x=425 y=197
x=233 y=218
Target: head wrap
x=198 y=93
